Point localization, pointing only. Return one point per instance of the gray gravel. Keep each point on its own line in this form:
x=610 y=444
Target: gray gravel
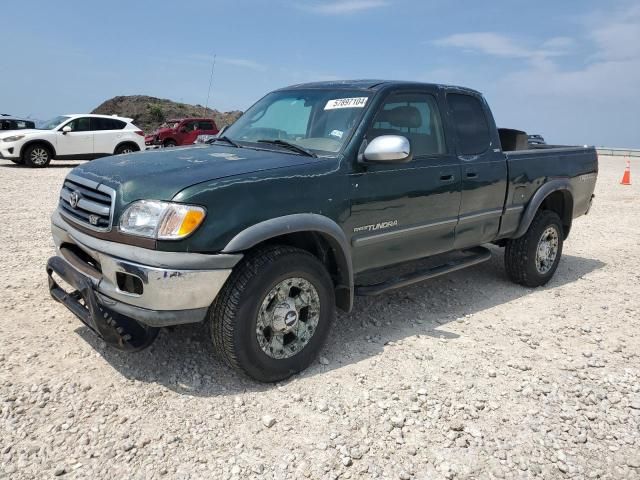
x=465 y=376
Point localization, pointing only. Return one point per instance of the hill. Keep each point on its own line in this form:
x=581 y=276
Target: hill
x=149 y=112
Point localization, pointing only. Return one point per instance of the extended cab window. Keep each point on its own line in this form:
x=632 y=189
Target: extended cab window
x=206 y=126
x=414 y=116
x=190 y=126
x=470 y=123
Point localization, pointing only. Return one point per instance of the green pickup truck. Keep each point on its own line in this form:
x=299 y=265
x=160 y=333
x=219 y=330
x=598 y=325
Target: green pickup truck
x=264 y=231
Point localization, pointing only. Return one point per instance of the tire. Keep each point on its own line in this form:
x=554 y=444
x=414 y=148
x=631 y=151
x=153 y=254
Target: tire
x=37 y=156
x=169 y=143
x=528 y=261
x=126 y=148
x=238 y=333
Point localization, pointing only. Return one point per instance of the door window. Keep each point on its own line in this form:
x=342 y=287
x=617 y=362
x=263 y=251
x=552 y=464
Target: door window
x=98 y=123
x=81 y=124
x=415 y=116
x=470 y=123
x=190 y=126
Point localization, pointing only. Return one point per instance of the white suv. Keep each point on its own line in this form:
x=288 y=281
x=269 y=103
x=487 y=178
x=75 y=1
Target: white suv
x=84 y=136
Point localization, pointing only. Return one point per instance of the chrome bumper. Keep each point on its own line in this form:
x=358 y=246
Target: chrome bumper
x=177 y=288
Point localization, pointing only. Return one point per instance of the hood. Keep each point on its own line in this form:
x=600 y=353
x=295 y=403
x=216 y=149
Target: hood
x=161 y=174
x=24 y=131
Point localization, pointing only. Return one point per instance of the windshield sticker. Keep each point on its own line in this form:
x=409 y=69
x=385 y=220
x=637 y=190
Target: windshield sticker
x=355 y=102
x=337 y=133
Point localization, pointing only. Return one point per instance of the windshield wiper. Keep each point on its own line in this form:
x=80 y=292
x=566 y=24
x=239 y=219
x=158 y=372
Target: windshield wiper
x=224 y=138
x=290 y=146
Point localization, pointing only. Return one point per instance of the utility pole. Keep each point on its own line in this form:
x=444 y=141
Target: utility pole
x=206 y=105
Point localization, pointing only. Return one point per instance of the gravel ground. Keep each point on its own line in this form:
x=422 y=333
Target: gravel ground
x=464 y=376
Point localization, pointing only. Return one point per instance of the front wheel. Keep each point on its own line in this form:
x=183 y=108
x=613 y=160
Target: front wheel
x=274 y=313
x=37 y=156
x=532 y=259
x=169 y=144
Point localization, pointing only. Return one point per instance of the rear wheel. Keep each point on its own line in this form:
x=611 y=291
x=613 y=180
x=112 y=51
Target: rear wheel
x=274 y=313
x=37 y=156
x=126 y=148
x=532 y=259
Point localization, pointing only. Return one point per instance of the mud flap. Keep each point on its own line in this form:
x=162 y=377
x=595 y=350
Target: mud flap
x=117 y=330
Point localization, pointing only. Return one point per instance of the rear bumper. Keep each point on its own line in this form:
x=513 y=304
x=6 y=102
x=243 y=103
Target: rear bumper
x=172 y=288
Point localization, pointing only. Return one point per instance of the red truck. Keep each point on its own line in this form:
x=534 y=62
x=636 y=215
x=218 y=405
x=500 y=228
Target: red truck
x=181 y=131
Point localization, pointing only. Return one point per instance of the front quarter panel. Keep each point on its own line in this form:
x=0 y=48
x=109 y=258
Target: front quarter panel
x=236 y=203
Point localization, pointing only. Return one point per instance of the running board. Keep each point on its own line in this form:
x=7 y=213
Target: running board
x=477 y=255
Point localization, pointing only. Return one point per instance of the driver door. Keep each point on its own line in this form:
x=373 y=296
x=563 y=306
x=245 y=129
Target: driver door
x=190 y=131
x=405 y=211
x=77 y=142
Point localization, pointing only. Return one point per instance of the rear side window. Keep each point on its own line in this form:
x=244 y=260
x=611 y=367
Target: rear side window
x=107 y=124
x=206 y=126
x=414 y=116
x=190 y=126
x=470 y=123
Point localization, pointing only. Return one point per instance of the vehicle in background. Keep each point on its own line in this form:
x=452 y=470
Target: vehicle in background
x=69 y=137
x=536 y=140
x=179 y=132
x=7 y=122
x=204 y=139
x=316 y=194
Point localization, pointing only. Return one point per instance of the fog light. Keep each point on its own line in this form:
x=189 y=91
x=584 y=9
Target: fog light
x=129 y=283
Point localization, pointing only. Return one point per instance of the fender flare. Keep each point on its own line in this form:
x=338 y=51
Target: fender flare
x=534 y=204
x=304 y=222
x=38 y=140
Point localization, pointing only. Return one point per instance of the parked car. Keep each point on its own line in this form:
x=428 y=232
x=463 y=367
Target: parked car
x=183 y=131
x=536 y=140
x=8 y=122
x=263 y=232
x=78 y=136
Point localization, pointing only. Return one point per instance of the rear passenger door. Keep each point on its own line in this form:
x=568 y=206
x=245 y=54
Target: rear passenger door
x=404 y=211
x=107 y=134
x=484 y=169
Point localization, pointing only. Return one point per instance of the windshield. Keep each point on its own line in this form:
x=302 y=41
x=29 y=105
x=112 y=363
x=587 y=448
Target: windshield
x=53 y=123
x=317 y=120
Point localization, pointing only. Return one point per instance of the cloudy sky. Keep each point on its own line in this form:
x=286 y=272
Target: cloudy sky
x=569 y=70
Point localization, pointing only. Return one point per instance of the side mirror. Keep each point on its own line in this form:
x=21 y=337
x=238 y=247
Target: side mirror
x=389 y=148
x=66 y=129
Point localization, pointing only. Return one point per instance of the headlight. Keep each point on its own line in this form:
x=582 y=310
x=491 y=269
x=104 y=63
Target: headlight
x=161 y=220
x=14 y=138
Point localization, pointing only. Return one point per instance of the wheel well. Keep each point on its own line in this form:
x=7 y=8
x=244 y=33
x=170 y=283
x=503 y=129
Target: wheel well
x=324 y=249
x=169 y=139
x=44 y=143
x=560 y=202
x=128 y=142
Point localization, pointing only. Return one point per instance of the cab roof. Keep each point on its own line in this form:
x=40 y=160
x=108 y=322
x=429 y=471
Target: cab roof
x=373 y=84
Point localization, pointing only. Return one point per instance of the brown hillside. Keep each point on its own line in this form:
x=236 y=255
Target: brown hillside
x=149 y=112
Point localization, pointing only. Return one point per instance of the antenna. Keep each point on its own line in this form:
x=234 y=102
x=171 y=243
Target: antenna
x=206 y=105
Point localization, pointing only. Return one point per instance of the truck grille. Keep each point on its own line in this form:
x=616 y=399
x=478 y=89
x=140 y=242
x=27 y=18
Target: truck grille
x=87 y=202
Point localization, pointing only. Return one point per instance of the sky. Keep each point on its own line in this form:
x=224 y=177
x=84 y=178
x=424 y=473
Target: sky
x=569 y=70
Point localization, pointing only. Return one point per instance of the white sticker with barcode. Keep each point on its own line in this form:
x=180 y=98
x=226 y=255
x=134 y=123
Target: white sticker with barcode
x=355 y=102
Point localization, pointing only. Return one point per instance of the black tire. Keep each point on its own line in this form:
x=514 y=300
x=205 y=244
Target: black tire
x=520 y=255
x=37 y=156
x=233 y=318
x=126 y=148
x=169 y=143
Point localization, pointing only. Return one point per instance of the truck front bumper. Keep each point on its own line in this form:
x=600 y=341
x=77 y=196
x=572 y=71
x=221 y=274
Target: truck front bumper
x=152 y=287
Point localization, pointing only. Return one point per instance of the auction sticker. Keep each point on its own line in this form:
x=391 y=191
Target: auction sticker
x=355 y=102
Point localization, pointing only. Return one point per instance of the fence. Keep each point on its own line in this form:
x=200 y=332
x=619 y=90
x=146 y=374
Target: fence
x=618 y=152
